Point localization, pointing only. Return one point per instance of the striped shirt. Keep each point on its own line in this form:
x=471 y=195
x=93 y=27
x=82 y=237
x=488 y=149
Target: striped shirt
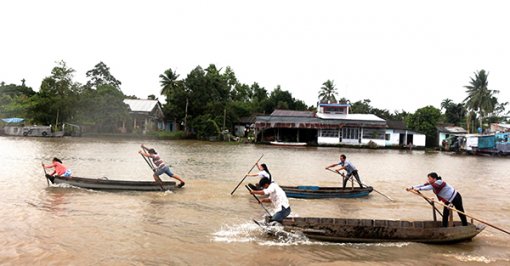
x=157 y=161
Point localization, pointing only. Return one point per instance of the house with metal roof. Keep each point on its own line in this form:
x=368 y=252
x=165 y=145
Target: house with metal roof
x=331 y=125
x=445 y=131
x=146 y=115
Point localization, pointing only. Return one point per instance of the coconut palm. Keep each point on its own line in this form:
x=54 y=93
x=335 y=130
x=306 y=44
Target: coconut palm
x=168 y=81
x=446 y=103
x=328 y=91
x=480 y=99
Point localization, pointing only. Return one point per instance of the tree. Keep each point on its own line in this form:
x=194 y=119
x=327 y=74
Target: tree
x=480 y=99
x=445 y=103
x=100 y=75
x=168 y=81
x=328 y=91
x=57 y=97
x=424 y=120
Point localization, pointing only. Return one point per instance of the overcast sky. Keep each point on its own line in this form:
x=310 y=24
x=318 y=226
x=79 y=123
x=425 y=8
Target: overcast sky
x=399 y=54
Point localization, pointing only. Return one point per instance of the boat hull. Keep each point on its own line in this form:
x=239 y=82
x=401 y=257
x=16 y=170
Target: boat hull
x=316 y=192
x=376 y=231
x=291 y=144
x=119 y=185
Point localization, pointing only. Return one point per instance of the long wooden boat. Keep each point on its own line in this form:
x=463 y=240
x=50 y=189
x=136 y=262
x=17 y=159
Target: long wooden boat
x=316 y=192
x=292 y=144
x=106 y=184
x=375 y=231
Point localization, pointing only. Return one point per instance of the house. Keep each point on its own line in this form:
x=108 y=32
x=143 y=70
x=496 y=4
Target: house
x=500 y=127
x=445 y=131
x=244 y=125
x=399 y=136
x=146 y=115
x=331 y=125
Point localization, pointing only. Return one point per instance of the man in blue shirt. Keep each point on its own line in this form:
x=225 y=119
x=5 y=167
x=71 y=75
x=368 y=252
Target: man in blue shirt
x=349 y=168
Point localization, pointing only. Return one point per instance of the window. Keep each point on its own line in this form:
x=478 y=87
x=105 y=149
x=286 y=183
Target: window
x=373 y=133
x=350 y=133
x=329 y=133
x=387 y=137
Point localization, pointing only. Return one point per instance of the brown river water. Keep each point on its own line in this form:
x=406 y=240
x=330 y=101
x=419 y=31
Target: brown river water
x=202 y=224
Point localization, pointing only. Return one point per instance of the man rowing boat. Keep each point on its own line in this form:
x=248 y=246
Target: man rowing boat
x=349 y=167
x=276 y=196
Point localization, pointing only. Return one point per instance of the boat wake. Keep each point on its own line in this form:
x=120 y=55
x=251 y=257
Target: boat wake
x=276 y=236
x=470 y=258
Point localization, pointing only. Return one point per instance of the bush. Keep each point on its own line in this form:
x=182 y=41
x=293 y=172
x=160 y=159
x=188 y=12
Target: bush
x=167 y=134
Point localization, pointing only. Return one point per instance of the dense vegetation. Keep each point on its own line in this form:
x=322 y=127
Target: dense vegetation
x=208 y=101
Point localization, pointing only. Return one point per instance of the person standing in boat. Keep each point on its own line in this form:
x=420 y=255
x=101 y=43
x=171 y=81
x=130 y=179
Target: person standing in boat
x=161 y=167
x=59 y=170
x=349 y=167
x=264 y=172
x=445 y=193
x=276 y=196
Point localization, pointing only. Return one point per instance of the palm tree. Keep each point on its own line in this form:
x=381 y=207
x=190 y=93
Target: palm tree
x=328 y=91
x=446 y=103
x=480 y=98
x=168 y=81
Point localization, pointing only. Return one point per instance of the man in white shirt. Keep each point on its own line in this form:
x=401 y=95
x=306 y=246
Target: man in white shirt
x=277 y=196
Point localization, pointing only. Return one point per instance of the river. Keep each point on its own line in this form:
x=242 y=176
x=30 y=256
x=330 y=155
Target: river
x=203 y=224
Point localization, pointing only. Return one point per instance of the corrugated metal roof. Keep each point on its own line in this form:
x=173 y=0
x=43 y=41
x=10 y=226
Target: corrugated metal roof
x=313 y=122
x=292 y=113
x=141 y=105
x=451 y=129
x=356 y=117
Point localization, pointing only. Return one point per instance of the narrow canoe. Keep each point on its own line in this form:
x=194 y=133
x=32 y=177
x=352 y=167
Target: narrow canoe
x=280 y=143
x=316 y=192
x=106 y=184
x=375 y=231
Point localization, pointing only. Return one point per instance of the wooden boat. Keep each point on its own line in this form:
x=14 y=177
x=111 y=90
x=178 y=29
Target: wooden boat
x=106 y=184
x=375 y=231
x=280 y=143
x=316 y=192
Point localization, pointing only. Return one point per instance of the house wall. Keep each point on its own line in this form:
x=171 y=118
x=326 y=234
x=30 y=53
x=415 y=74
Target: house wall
x=335 y=140
x=419 y=140
x=441 y=137
x=394 y=138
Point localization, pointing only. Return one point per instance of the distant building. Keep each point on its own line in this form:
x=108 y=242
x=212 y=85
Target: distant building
x=146 y=115
x=445 y=131
x=331 y=125
x=398 y=135
x=500 y=127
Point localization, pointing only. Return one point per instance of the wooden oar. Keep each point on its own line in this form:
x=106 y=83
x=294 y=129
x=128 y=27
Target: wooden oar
x=364 y=185
x=248 y=188
x=150 y=162
x=156 y=178
x=431 y=202
x=232 y=193
x=461 y=212
x=44 y=169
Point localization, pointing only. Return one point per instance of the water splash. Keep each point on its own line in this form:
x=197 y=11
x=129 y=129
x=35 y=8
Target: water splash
x=470 y=258
x=276 y=236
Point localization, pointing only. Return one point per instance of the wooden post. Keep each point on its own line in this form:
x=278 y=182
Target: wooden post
x=434 y=212
x=298 y=135
x=450 y=219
